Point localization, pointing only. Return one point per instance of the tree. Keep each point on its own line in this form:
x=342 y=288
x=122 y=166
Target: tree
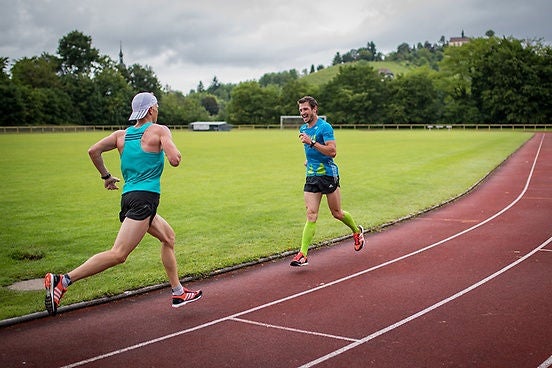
x=337 y=59
x=279 y=78
x=76 y=53
x=3 y=69
x=413 y=99
x=110 y=99
x=40 y=102
x=40 y=91
x=365 y=54
x=371 y=46
x=12 y=108
x=178 y=109
x=507 y=85
x=355 y=95
x=403 y=51
x=351 y=55
x=252 y=104
x=81 y=89
x=214 y=86
x=143 y=79
x=37 y=72
x=292 y=91
x=200 y=87
x=455 y=81
x=504 y=80
x=543 y=69
x=209 y=103
x=223 y=93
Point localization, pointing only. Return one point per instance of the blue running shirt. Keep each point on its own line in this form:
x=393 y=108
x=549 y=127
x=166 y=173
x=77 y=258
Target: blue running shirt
x=317 y=163
x=141 y=170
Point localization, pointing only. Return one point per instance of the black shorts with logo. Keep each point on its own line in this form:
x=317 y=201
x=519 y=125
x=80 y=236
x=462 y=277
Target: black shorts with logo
x=321 y=184
x=139 y=205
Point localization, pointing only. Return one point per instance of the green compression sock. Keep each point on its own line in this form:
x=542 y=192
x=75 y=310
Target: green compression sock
x=349 y=221
x=308 y=235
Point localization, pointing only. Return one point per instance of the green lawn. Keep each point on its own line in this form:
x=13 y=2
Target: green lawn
x=236 y=197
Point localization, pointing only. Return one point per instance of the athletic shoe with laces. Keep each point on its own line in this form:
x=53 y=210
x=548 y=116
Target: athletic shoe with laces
x=359 y=238
x=187 y=296
x=54 y=292
x=299 y=260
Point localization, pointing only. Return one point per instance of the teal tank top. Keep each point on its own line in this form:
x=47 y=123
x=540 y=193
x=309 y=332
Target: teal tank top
x=141 y=170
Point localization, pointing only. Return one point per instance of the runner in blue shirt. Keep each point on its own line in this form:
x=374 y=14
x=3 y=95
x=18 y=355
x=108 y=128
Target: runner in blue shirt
x=322 y=177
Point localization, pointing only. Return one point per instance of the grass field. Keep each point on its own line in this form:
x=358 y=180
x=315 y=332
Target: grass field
x=236 y=197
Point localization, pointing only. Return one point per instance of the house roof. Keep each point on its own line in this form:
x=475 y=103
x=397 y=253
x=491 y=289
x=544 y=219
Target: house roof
x=459 y=39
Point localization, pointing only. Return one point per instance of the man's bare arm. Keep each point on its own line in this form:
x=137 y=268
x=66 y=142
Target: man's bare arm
x=167 y=144
x=95 y=152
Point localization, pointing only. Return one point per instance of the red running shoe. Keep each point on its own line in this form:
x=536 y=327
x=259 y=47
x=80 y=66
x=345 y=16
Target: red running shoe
x=54 y=292
x=187 y=296
x=359 y=238
x=299 y=260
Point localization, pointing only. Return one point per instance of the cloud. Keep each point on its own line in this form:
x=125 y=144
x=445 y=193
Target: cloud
x=188 y=41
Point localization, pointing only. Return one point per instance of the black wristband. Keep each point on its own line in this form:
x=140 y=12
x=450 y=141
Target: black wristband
x=107 y=176
x=312 y=144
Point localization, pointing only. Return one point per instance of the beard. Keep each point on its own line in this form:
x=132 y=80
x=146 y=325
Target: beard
x=308 y=118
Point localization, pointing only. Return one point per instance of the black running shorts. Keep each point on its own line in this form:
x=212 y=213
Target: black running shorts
x=321 y=184
x=139 y=205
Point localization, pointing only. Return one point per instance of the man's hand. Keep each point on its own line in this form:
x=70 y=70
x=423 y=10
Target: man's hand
x=110 y=184
x=305 y=139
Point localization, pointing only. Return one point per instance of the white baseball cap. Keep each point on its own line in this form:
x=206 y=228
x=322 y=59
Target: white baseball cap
x=140 y=105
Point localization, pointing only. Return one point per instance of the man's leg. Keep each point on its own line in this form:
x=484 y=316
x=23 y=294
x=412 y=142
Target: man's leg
x=312 y=204
x=334 y=203
x=161 y=229
x=129 y=236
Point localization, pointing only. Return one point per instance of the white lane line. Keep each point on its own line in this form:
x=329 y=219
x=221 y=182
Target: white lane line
x=293 y=329
x=422 y=312
x=293 y=296
x=547 y=363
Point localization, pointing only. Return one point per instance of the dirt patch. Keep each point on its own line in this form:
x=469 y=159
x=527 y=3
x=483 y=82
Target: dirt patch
x=28 y=285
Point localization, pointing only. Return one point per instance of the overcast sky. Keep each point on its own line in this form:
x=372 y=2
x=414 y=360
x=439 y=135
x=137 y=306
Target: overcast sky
x=185 y=42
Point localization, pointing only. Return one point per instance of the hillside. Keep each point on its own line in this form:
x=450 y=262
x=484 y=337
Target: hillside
x=323 y=76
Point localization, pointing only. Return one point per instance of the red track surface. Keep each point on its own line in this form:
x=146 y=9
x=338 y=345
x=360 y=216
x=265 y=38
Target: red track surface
x=466 y=285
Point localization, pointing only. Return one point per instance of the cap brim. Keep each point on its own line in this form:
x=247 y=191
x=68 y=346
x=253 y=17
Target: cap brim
x=138 y=114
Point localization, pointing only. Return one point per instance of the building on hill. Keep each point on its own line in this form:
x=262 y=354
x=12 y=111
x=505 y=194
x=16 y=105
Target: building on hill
x=459 y=41
x=386 y=73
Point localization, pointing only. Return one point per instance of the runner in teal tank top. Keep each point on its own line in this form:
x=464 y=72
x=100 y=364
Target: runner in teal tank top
x=143 y=148
x=141 y=170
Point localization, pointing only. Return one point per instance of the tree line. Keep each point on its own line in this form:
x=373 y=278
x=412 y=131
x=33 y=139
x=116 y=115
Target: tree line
x=488 y=80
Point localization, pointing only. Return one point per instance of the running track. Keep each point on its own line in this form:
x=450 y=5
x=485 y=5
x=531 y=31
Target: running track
x=466 y=285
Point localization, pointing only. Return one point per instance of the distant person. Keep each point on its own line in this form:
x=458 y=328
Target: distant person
x=142 y=149
x=322 y=177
